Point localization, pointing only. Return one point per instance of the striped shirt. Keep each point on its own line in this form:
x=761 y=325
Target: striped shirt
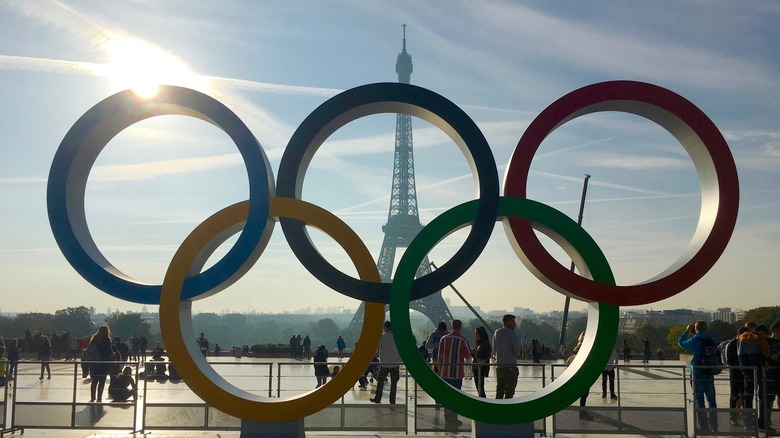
x=454 y=351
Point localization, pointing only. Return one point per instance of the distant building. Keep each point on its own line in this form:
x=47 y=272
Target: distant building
x=724 y=314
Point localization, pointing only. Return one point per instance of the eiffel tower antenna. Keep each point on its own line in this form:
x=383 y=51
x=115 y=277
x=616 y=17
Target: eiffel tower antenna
x=403 y=218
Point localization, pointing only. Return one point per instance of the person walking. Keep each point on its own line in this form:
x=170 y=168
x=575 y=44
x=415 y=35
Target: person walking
x=44 y=355
x=454 y=351
x=703 y=379
x=389 y=363
x=507 y=345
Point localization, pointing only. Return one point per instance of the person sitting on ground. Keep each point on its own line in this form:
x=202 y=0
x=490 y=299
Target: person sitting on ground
x=123 y=386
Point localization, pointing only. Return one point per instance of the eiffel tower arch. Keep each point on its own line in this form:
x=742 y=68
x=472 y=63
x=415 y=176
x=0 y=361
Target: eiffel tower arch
x=403 y=218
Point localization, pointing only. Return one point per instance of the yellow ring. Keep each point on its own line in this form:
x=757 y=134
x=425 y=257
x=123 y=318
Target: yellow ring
x=176 y=318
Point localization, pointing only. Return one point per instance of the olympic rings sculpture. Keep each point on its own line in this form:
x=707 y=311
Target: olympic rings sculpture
x=254 y=219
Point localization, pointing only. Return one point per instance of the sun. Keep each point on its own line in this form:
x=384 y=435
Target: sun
x=142 y=67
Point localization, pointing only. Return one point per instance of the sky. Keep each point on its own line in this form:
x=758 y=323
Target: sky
x=273 y=63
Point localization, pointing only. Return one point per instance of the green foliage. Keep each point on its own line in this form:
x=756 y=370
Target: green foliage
x=763 y=315
x=75 y=320
x=40 y=322
x=325 y=332
x=544 y=332
x=721 y=330
x=125 y=325
x=674 y=334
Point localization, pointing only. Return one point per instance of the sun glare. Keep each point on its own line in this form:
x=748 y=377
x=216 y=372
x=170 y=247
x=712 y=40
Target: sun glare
x=141 y=67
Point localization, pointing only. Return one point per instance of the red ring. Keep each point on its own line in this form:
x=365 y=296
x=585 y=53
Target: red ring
x=711 y=157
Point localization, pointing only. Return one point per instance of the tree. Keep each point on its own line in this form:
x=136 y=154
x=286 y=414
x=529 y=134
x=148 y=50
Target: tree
x=215 y=329
x=40 y=322
x=763 y=315
x=75 y=320
x=125 y=325
x=674 y=335
x=656 y=334
x=324 y=331
x=721 y=330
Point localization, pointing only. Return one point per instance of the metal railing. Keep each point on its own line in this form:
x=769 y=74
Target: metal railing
x=60 y=402
x=651 y=400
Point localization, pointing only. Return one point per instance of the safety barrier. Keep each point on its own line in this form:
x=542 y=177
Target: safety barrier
x=61 y=400
x=651 y=400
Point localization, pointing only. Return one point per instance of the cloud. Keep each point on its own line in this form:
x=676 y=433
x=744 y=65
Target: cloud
x=243 y=84
x=635 y=162
x=596 y=49
x=141 y=171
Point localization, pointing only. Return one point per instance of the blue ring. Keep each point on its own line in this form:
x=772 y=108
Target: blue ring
x=389 y=98
x=77 y=154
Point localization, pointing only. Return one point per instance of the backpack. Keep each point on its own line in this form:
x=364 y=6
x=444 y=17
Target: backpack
x=709 y=356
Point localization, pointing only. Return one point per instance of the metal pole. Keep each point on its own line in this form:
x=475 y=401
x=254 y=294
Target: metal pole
x=568 y=299
x=474 y=311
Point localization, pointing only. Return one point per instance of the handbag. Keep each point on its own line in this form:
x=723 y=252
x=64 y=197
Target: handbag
x=91 y=354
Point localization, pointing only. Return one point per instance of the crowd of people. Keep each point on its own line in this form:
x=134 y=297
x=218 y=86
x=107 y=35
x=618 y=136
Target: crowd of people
x=752 y=355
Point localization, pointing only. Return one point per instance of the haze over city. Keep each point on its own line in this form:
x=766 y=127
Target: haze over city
x=502 y=62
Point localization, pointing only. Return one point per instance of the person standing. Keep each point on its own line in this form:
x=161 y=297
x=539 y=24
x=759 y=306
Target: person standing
x=626 y=351
x=101 y=339
x=507 y=345
x=774 y=345
x=44 y=355
x=135 y=347
x=524 y=346
x=536 y=352
x=321 y=370
x=13 y=358
x=454 y=351
x=341 y=345
x=645 y=350
x=306 y=348
x=389 y=363
x=730 y=352
x=608 y=375
x=482 y=353
x=432 y=343
x=203 y=343
x=143 y=345
x=703 y=379
x=754 y=351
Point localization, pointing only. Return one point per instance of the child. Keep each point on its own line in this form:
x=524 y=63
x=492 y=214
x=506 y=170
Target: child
x=119 y=389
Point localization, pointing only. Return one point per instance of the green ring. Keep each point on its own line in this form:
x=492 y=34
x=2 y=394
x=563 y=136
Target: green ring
x=599 y=339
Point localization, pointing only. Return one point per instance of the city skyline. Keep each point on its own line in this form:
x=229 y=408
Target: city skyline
x=501 y=62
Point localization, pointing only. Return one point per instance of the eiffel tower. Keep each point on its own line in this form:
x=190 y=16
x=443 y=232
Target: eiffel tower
x=403 y=219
